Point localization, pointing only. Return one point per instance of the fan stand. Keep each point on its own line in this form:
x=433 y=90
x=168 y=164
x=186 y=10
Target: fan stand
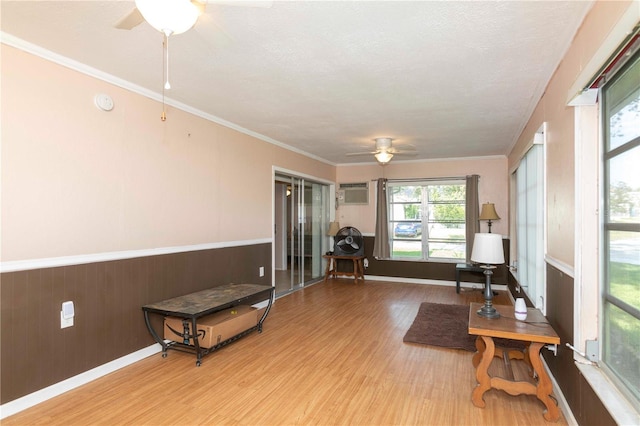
x=332 y=267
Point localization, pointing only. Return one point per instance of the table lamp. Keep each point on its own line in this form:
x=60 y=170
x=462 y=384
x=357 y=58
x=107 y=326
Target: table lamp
x=334 y=227
x=488 y=252
x=488 y=213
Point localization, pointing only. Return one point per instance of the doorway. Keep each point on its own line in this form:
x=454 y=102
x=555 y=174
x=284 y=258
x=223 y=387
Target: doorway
x=301 y=213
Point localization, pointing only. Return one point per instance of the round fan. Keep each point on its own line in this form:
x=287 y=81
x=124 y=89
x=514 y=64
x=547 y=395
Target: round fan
x=348 y=242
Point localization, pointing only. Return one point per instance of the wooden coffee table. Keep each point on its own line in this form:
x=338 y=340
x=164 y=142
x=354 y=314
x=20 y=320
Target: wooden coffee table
x=535 y=331
x=194 y=306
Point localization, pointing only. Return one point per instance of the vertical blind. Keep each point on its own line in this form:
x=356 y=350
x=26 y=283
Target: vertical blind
x=530 y=225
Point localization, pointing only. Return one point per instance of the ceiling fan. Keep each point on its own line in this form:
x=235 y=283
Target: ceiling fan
x=385 y=151
x=172 y=17
x=151 y=9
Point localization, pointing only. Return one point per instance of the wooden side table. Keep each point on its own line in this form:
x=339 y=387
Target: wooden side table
x=536 y=331
x=332 y=267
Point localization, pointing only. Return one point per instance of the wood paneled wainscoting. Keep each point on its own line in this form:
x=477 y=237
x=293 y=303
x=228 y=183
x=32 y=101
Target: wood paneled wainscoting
x=108 y=296
x=583 y=401
x=331 y=353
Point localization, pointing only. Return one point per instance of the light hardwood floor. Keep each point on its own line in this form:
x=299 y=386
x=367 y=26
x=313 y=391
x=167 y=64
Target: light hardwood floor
x=331 y=354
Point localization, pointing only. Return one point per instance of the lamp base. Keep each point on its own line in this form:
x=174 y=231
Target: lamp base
x=488 y=312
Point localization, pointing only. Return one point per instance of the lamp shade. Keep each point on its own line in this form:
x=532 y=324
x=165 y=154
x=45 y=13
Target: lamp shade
x=384 y=157
x=487 y=249
x=169 y=16
x=488 y=212
x=334 y=227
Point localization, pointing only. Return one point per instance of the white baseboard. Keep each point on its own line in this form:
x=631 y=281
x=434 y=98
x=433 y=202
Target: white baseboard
x=28 y=401
x=463 y=284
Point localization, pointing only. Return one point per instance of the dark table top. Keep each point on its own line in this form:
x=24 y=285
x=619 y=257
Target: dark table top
x=469 y=267
x=206 y=301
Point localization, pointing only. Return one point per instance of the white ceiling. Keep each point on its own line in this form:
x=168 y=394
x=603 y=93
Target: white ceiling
x=454 y=79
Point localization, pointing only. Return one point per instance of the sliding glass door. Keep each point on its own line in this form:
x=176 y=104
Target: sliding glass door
x=302 y=215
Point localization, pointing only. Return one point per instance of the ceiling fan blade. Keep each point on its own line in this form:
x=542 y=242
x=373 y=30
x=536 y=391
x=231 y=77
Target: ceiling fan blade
x=247 y=3
x=353 y=154
x=405 y=147
x=212 y=32
x=132 y=20
x=407 y=153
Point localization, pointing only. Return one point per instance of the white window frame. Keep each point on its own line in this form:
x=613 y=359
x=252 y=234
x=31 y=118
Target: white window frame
x=587 y=261
x=587 y=186
x=616 y=377
x=423 y=218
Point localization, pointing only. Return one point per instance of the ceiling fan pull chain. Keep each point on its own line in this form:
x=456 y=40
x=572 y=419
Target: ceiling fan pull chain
x=163 y=116
x=166 y=52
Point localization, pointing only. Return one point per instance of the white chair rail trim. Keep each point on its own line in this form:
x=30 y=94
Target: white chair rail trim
x=52 y=262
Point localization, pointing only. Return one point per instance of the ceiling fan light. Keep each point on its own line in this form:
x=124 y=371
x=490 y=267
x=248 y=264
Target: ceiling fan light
x=169 y=16
x=383 y=143
x=384 y=157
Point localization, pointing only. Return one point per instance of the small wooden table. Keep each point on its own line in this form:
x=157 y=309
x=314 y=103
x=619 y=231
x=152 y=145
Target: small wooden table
x=332 y=267
x=536 y=331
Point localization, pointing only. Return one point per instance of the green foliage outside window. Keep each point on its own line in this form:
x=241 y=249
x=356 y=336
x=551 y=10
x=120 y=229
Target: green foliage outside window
x=428 y=221
x=621 y=242
x=449 y=204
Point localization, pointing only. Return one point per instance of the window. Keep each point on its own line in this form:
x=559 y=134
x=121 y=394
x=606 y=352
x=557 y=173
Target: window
x=427 y=220
x=621 y=227
x=529 y=197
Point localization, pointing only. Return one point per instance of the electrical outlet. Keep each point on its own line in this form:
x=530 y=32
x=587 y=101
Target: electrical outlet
x=65 y=322
x=262 y=271
x=67 y=314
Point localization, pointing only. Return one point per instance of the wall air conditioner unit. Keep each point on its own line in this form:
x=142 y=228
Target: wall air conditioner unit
x=353 y=193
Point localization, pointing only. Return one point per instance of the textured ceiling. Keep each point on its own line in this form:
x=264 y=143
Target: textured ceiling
x=453 y=79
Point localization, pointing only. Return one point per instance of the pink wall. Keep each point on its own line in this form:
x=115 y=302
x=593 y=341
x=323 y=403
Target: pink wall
x=560 y=119
x=77 y=180
x=493 y=186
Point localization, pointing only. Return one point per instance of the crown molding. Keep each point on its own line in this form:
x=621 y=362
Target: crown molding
x=64 y=61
